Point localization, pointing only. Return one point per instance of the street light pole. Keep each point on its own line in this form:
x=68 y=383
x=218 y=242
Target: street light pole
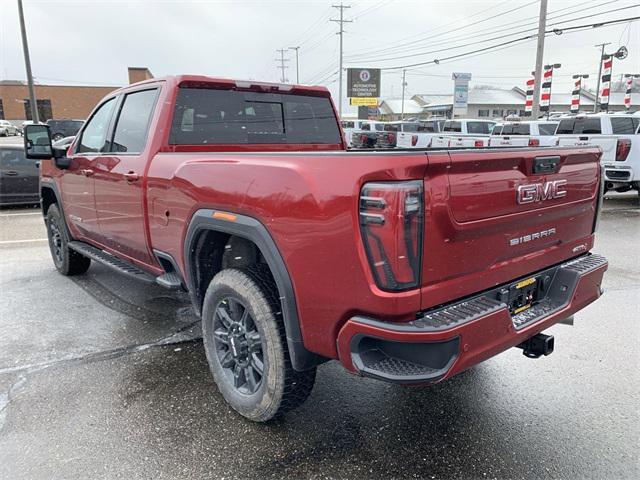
x=297 y=64
x=542 y=26
x=595 y=104
x=27 y=64
x=404 y=84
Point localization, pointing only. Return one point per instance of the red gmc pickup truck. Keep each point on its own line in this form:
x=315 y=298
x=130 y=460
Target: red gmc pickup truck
x=405 y=266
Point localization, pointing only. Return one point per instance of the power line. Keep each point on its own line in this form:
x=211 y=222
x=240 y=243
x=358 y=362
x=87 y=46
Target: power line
x=416 y=54
x=483 y=32
x=516 y=40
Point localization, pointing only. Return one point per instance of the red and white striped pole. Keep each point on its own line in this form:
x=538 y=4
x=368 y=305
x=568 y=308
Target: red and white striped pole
x=547 y=78
x=575 y=95
x=607 y=66
x=577 y=91
x=627 y=92
x=528 y=103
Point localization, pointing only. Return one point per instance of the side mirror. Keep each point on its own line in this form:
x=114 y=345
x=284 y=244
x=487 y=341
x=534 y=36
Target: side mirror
x=37 y=142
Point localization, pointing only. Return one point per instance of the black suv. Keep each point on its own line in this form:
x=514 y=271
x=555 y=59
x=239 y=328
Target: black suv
x=64 y=128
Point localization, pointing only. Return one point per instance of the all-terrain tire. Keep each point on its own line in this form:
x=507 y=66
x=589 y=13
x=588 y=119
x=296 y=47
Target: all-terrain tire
x=281 y=388
x=68 y=262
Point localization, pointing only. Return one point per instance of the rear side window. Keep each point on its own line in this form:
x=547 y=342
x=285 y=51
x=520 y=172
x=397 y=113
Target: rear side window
x=452 y=127
x=133 y=122
x=94 y=136
x=481 y=128
x=577 y=126
x=516 y=129
x=428 y=127
x=622 y=126
x=547 y=129
x=497 y=130
x=210 y=117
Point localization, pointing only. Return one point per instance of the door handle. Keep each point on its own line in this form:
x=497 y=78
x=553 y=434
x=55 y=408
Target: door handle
x=11 y=173
x=87 y=172
x=131 y=176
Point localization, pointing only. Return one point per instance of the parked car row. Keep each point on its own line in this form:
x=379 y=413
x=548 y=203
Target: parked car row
x=617 y=134
x=59 y=128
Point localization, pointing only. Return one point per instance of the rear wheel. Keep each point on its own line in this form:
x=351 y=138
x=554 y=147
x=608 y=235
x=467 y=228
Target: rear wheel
x=67 y=261
x=246 y=346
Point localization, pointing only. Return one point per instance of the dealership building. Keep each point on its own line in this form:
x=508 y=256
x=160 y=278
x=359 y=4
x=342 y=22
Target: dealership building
x=56 y=101
x=491 y=102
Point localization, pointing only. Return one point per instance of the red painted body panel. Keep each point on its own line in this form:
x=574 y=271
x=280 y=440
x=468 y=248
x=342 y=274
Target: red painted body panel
x=307 y=197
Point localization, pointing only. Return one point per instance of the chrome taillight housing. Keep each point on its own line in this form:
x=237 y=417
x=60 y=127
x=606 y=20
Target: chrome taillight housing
x=392 y=224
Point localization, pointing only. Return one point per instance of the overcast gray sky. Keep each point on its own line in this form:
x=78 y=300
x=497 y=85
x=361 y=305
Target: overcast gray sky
x=93 y=41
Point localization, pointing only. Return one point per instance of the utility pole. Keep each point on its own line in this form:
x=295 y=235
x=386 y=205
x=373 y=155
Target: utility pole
x=282 y=66
x=27 y=64
x=341 y=21
x=542 y=26
x=404 y=84
x=297 y=64
x=596 y=103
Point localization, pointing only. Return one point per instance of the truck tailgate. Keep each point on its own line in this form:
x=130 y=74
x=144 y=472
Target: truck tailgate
x=605 y=142
x=495 y=215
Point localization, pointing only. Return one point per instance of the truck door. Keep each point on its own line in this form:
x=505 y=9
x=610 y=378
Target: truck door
x=119 y=179
x=77 y=183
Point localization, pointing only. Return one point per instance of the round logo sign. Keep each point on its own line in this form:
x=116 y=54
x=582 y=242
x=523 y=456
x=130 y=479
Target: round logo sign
x=365 y=76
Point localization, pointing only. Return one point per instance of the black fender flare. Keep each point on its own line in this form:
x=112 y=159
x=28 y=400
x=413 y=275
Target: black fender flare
x=253 y=230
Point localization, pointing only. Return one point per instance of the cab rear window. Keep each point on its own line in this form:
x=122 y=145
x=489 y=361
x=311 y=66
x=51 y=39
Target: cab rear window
x=577 y=126
x=516 y=129
x=209 y=117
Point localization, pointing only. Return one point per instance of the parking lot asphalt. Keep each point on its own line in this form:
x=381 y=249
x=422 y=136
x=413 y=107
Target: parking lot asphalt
x=101 y=377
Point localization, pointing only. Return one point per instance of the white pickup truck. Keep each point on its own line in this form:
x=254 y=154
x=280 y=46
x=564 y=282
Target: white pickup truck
x=421 y=138
x=361 y=133
x=534 y=133
x=617 y=134
x=468 y=133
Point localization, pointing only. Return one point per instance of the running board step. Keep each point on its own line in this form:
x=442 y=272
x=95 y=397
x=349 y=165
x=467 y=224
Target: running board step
x=121 y=266
x=170 y=280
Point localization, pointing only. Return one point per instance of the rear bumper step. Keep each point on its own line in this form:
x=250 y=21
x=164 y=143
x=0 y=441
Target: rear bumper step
x=449 y=339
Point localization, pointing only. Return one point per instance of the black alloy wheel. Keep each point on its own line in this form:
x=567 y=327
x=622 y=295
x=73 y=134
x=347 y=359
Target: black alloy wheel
x=238 y=345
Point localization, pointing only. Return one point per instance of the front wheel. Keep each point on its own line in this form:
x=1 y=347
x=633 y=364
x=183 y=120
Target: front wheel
x=246 y=345
x=67 y=261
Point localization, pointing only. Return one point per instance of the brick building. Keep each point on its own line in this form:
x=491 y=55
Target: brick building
x=56 y=101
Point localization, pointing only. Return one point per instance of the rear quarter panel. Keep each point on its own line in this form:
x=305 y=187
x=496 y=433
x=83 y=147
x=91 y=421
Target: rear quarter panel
x=309 y=204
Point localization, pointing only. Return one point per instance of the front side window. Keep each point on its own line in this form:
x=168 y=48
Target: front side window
x=94 y=136
x=133 y=122
x=206 y=116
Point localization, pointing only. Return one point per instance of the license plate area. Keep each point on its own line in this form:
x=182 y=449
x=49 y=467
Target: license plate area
x=522 y=295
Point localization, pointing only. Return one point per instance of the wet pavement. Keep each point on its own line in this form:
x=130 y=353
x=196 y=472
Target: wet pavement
x=102 y=377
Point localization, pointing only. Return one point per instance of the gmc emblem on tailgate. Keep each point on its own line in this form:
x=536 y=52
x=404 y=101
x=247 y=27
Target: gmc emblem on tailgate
x=537 y=192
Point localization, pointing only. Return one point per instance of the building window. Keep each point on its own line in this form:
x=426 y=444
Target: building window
x=483 y=113
x=522 y=113
x=1 y=110
x=496 y=113
x=44 y=109
x=512 y=112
